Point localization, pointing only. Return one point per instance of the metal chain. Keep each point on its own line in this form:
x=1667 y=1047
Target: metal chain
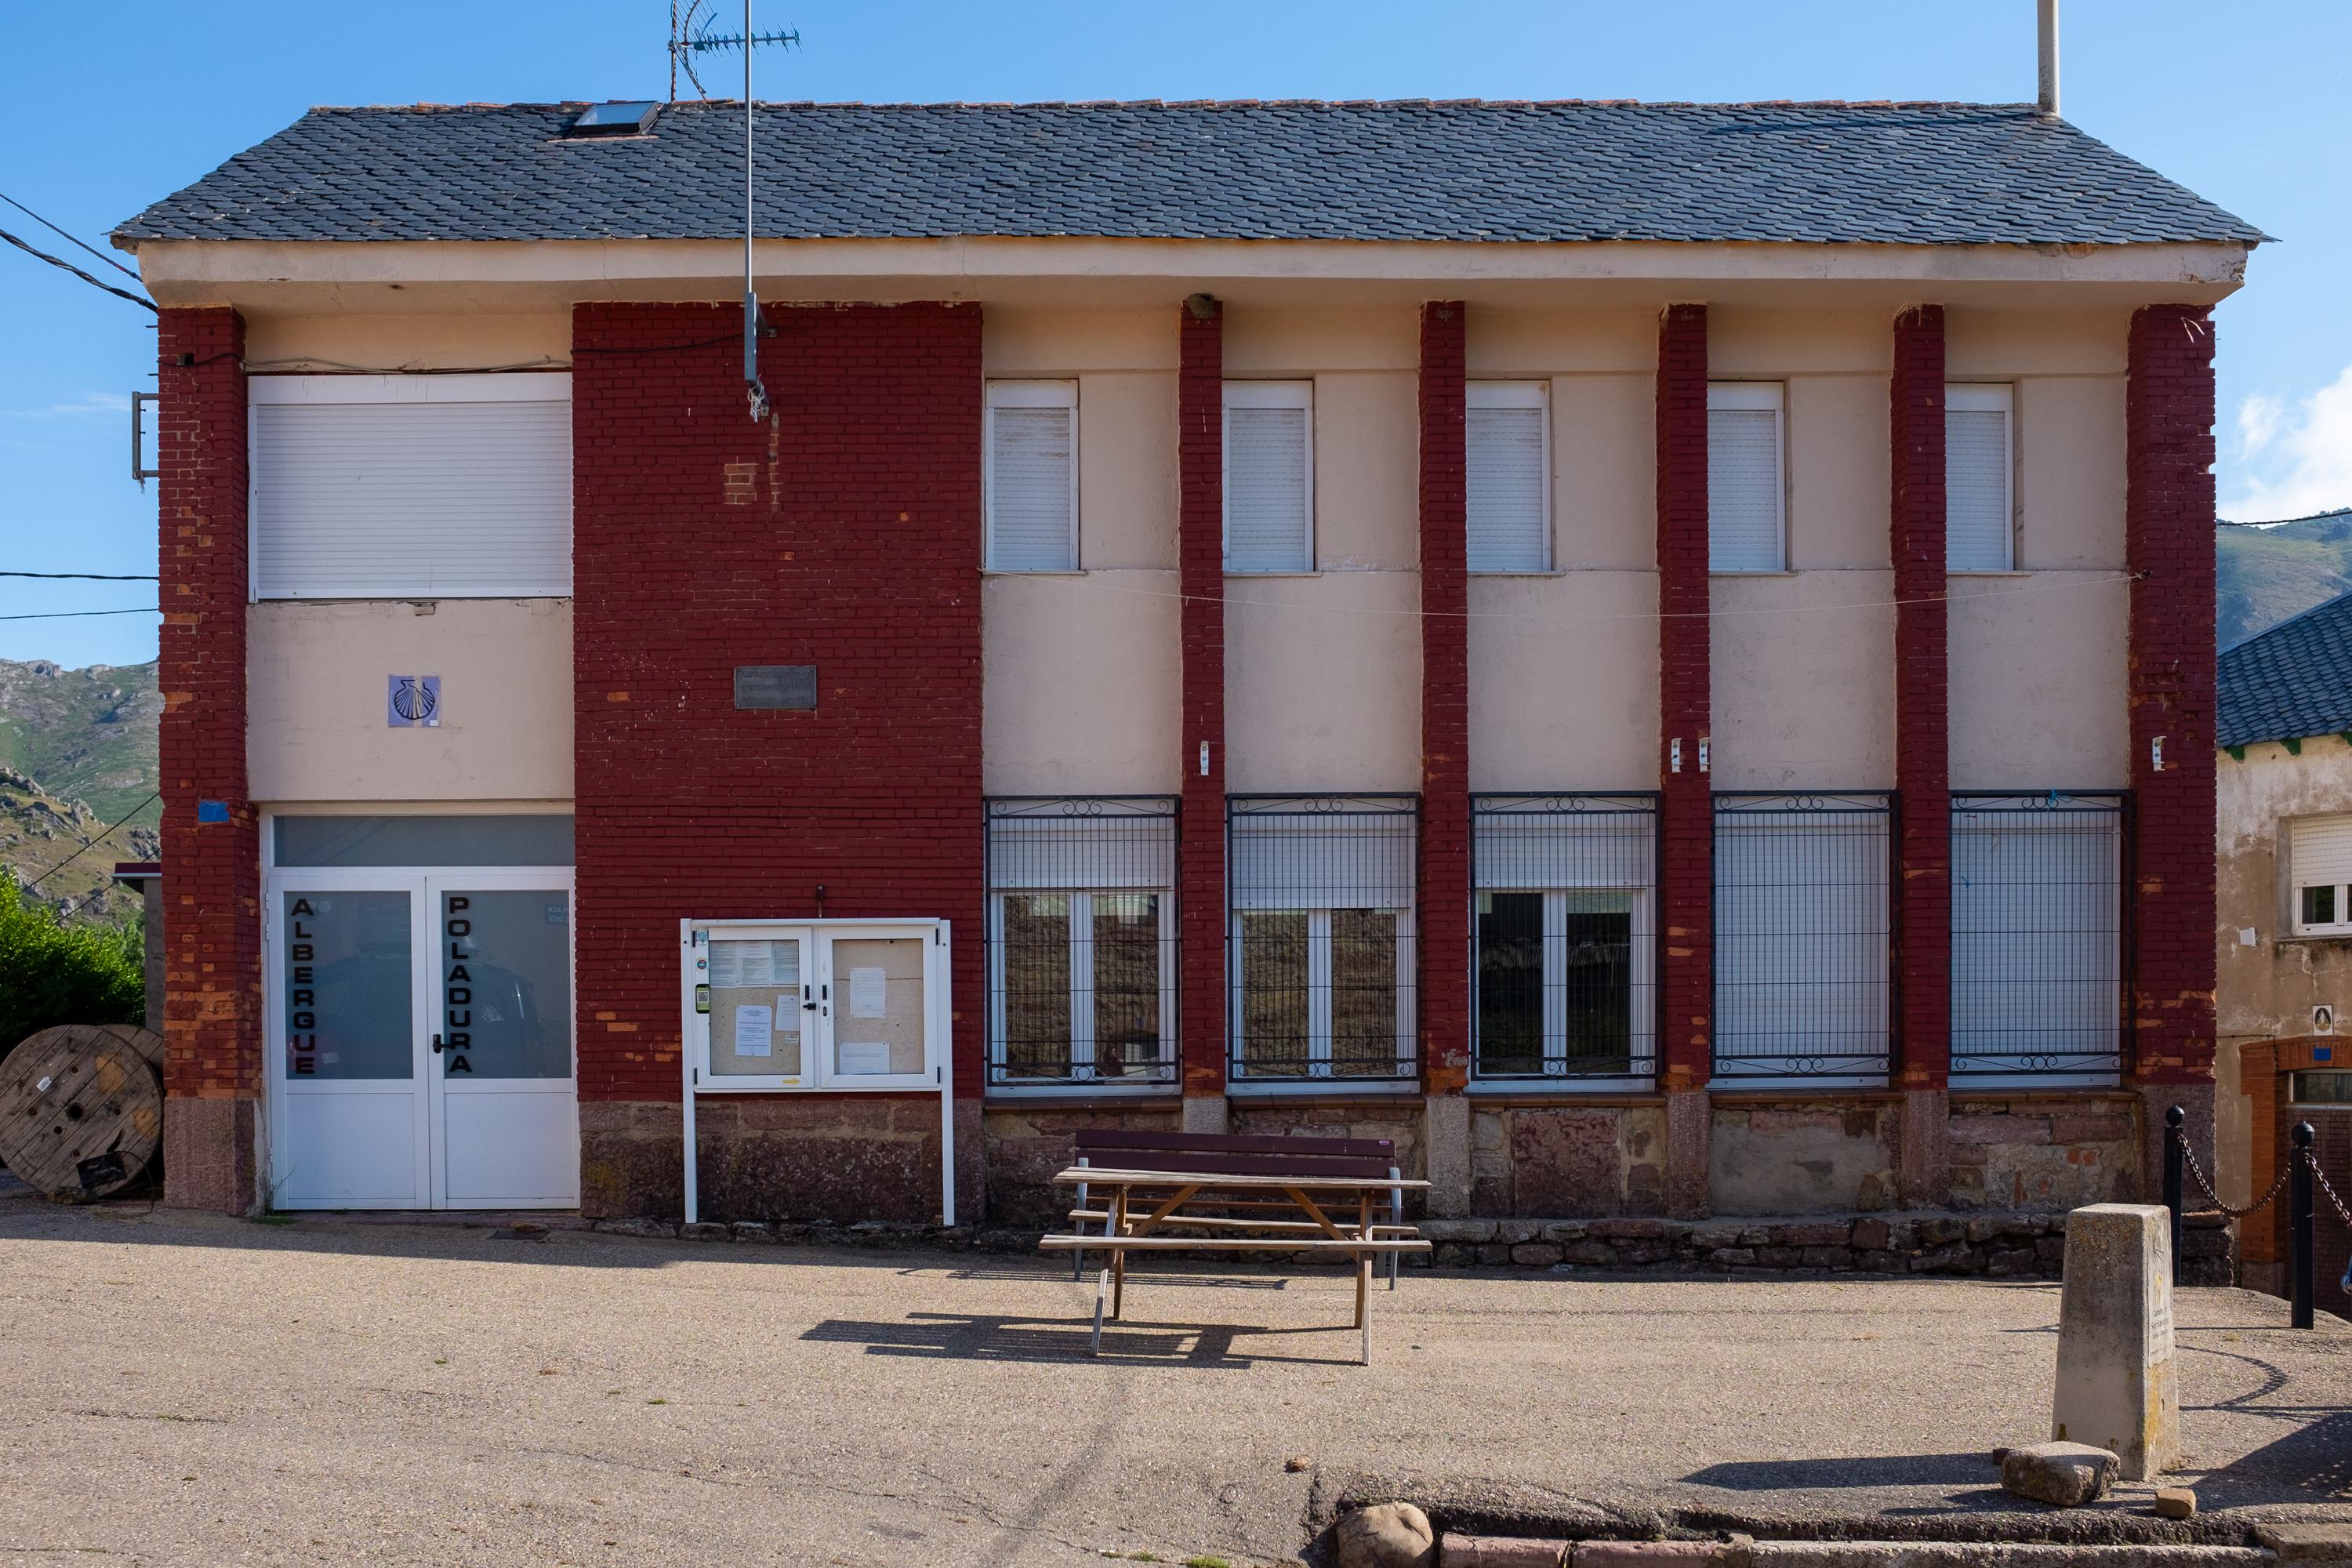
x=2321 y=1177
x=2189 y=1156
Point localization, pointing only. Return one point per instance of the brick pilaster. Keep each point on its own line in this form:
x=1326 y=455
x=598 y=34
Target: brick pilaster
x=211 y=878
x=1445 y=877
x=2168 y=547
x=1922 y=750
x=1686 y=811
x=1200 y=561
x=1687 y=803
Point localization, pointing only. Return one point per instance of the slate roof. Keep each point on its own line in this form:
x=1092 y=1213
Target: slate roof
x=2293 y=680
x=1900 y=173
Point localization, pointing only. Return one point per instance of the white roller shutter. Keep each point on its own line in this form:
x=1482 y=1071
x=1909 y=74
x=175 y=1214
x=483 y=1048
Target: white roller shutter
x=1269 y=477
x=435 y=486
x=2037 y=966
x=1977 y=478
x=1340 y=861
x=1033 y=476
x=1508 y=477
x=2320 y=850
x=1801 y=939
x=1745 y=495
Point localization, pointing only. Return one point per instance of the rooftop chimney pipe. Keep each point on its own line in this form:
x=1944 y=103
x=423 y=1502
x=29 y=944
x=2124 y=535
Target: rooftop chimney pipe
x=2047 y=102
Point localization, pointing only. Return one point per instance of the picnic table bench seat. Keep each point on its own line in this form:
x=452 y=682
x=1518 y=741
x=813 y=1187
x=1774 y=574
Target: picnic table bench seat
x=1312 y=1183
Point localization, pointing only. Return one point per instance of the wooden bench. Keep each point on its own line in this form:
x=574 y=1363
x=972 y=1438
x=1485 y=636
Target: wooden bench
x=1268 y=1195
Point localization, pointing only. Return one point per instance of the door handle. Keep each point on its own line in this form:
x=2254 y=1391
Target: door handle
x=437 y=1047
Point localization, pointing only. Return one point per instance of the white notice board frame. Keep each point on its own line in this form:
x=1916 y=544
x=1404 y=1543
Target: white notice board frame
x=825 y=993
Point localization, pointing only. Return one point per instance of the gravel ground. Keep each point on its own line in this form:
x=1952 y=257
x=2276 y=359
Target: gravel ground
x=188 y=1388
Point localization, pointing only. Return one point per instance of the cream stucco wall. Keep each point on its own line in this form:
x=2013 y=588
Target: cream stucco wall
x=315 y=682
x=2268 y=979
x=1564 y=681
x=480 y=340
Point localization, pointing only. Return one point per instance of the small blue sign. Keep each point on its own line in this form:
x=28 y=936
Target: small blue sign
x=412 y=701
x=2323 y=1053
x=211 y=811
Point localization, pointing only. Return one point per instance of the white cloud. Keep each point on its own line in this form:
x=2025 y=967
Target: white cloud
x=88 y=402
x=2294 y=464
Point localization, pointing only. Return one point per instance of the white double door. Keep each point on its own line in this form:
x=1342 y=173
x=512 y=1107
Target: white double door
x=422 y=1031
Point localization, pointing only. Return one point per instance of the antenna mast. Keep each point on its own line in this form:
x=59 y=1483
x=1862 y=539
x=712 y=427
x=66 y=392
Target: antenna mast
x=685 y=43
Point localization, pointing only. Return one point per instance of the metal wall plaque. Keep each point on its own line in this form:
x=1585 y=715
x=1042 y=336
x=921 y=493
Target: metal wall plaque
x=775 y=686
x=412 y=701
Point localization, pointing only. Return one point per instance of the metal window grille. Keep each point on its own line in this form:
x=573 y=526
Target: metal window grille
x=2037 y=935
x=1082 y=956
x=1803 y=919
x=1320 y=933
x=1562 y=939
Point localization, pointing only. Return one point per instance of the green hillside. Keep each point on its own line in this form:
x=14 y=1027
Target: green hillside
x=77 y=750
x=2271 y=572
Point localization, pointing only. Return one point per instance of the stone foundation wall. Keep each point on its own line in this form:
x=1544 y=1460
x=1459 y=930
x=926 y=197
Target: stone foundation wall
x=1028 y=1143
x=1399 y=1122
x=774 y=1158
x=1795 y=1157
x=2045 y=1153
x=1578 y=1161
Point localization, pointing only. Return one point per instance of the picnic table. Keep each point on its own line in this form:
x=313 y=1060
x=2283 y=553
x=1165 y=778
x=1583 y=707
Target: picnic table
x=1243 y=1195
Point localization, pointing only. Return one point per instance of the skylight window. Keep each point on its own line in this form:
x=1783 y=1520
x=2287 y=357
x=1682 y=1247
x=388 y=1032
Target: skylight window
x=615 y=119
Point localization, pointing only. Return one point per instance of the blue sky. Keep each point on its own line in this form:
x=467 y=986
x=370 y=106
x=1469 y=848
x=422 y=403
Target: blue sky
x=2244 y=106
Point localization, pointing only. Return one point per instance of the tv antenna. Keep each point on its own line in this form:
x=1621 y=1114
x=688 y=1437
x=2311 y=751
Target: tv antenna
x=685 y=43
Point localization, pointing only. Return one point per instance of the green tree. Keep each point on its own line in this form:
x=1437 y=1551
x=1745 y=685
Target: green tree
x=51 y=973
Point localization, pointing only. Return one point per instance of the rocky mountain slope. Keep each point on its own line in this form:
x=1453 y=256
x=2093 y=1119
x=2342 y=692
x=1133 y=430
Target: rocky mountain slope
x=77 y=752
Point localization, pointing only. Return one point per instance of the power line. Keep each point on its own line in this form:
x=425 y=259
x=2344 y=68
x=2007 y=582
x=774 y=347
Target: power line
x=69 y=615
x=93 y=843
x=90 y=576
x=69 y=267
x=70 y=240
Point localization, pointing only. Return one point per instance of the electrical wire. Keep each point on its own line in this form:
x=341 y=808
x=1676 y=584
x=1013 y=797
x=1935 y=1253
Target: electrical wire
x=91 y=576
x=69 y=267
x=71 y=240
x=70 y=614
x=93 y=843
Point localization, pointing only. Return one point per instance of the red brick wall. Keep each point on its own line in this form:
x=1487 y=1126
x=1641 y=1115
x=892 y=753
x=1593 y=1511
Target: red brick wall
x=1923 y=912
x=1201 y=559
x=1445 y=707
x=2169 y=546
x=1686 y=809
x=845 y=533
x=212 y=876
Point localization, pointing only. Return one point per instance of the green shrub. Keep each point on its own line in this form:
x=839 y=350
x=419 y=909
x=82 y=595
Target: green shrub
x=52 y=973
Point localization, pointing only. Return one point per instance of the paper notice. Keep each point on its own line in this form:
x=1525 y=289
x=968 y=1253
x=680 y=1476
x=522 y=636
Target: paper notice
x=869 y=994
x=754 y=1031
x=862 y=1056
x=726 y=965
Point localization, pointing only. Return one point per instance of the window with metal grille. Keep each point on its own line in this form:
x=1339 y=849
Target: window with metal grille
x=1803 y=921
x=2037 y=936
x=1977 y=479
x=1082 y=941
x=1507 y=449
x=1269 y=476
x=1563 y=952
x=1745 y=493
x=1321 y=933
x=1033 y=476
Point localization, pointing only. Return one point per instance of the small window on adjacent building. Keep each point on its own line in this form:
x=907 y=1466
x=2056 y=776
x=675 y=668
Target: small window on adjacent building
x=1506 y=441
x=1269 y=476
x=1033 y=476
x=2329 y=1088
x=1082 y=941
x=1321 y=937
x=1746 y=495
x=1978 y=533
x=2319 y=855
x=398 y=486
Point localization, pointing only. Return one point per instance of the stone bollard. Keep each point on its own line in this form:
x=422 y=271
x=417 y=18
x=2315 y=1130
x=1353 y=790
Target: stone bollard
x=2117 y=1386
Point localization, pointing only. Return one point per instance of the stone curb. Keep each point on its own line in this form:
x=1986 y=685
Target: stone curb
x=1506 y=1551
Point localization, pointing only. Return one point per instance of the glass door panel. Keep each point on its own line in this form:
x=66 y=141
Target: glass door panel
x=349 y=986
x=345 y=1003
x=506 y=984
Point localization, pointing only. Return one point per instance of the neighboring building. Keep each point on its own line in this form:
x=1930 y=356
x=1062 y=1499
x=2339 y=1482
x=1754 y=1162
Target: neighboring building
x=1628 y=649
x=2286 y=927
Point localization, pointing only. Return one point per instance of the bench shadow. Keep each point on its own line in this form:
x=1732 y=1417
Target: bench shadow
x=994 y=1337
x=1973 y=1468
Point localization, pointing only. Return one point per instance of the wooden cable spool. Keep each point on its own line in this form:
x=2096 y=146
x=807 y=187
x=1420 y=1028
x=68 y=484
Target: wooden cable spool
x=81 y=1110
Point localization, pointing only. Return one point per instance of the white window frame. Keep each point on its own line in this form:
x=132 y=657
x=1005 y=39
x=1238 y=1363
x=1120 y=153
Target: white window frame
x=2298 y=877
x=1299 y=395
x=1642 y=1003
x=1318 y=999
x=1536 y=394
x=1771 y=396
x=1082 y=995
x=1989 y=397
x=518 y=387
x=1028 y=395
